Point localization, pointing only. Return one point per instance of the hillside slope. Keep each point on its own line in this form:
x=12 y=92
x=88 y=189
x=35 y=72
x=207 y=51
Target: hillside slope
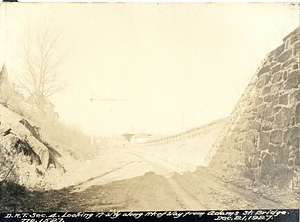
x=25 y=156
x=190 y=152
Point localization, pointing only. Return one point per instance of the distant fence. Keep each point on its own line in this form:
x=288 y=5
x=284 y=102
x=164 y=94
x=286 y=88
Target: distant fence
x=190 y=133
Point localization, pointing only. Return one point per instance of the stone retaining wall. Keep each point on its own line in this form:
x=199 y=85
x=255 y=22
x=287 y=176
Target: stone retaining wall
x=261 y=137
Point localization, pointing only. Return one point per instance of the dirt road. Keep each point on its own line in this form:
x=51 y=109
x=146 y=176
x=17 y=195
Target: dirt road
x=138 y=181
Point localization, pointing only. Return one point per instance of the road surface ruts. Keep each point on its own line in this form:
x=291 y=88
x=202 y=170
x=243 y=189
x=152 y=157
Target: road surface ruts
x=187 y=201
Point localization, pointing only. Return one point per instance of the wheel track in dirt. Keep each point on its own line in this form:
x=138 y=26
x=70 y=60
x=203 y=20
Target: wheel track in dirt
x=260 y=201
x=184 y=168
x=194 y=191
x=83 y=185
x=187 y=201
x=255 y=199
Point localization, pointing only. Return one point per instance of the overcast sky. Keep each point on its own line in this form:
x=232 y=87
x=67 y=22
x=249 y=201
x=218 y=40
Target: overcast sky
x=166 y=60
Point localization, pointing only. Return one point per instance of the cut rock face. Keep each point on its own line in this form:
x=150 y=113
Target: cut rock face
x=22 y=149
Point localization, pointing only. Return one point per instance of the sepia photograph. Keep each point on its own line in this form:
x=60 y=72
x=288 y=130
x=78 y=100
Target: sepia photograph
x=149 y=111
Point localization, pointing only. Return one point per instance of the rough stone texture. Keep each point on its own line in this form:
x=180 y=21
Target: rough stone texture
x=282 y=155
x=276 y=69
x=293 y=80
x=266 y=90
x=273 y=148
x=267 y=126
x=296 y=48
x=295 y=38
x=268 y=98
x=263 y=80
x=270 y=140
x=285 y=56
x=284 y=99
x=297 y=114
x=291 y=136
x=264 y=141
x=287 y=63
x=283 y=118
x=258 y=101
x=263 y=70
x=267 y=166
x=278 y=51
x=276 y=136
x=296 y=94
x=276 y=109
x=277 y=77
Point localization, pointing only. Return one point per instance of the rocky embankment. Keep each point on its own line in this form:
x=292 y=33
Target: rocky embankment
x=25 y=158
x=260 y=141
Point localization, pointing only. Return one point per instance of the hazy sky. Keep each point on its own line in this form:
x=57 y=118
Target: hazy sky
x=166 y=60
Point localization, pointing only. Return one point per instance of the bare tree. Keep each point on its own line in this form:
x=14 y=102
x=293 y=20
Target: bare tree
x=40 y=59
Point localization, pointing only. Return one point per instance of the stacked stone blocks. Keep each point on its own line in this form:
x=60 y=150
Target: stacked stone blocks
x=264 y=128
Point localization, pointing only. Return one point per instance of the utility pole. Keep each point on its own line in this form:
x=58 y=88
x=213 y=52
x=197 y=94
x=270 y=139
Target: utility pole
x=93 y=98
